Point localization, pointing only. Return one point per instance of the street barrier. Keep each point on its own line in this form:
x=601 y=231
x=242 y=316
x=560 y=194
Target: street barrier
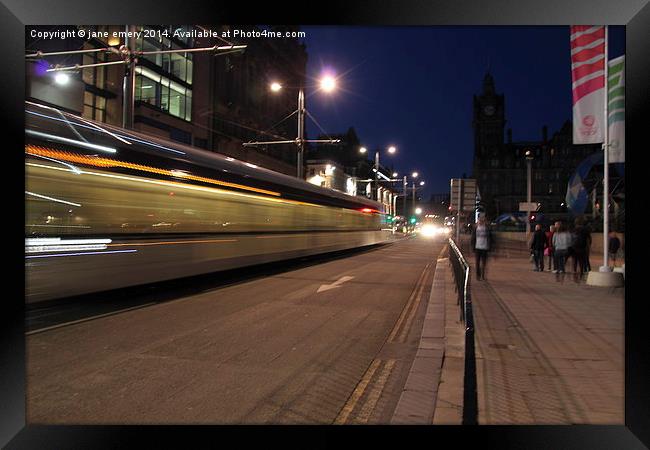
x=461 y=272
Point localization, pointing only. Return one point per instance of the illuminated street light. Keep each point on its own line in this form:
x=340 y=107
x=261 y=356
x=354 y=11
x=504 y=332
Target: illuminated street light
x=418 y=211
x=390 y=150
x=421 y=183
x=414 y=174
x=328 y=83
x=395 y=174
x=363 y=150
x=62 y=78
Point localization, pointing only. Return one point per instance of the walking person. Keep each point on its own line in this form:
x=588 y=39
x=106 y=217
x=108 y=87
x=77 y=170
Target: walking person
x=481 y=243
x=549 y=248
x=561 y=244
x=581 y=243
x=587 y=263
x=537 y=246
x=614 y=243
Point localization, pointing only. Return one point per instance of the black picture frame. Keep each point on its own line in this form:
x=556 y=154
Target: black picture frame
x=16 y=14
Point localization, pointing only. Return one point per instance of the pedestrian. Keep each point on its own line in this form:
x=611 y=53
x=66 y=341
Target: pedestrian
x=537 y=246
x=549 y=248
x=581 y=243
x=481 y=242
x=614 y=243
x=561 y=244
x=587 y=263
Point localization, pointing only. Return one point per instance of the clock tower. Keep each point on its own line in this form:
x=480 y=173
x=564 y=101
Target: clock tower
x=488 y=123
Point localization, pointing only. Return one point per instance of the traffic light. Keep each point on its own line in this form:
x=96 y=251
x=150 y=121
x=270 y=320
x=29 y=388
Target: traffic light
x=412 y=220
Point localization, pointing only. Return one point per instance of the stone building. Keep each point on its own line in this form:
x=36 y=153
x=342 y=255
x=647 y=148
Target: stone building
x=499 y=164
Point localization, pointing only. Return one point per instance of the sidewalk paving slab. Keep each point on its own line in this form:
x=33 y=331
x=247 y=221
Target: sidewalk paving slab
x=550 y=349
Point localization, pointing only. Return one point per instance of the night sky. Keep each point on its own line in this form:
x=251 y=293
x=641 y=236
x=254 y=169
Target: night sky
x=412 y=87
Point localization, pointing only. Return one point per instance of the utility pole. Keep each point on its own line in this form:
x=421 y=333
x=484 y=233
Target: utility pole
x=128 y=85
x=405 y=195
x=301 y=132
x=300 y=139
x=529 y=164
x=377 y=175
x=413 y=196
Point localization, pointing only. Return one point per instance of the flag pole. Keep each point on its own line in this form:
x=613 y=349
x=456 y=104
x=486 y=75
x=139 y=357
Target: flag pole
x=605 y=267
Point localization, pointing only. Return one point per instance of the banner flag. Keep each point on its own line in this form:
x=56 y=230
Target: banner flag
x=616 y=109
x=588 y=83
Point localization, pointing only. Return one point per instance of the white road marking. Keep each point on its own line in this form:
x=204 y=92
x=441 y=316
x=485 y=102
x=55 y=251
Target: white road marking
x=337 y=283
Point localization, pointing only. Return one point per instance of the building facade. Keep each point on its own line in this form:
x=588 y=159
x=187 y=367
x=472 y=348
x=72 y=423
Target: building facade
x=360 y=167
x=500 y=165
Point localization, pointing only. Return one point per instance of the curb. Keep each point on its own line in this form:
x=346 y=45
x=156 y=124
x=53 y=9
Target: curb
x=417 y=403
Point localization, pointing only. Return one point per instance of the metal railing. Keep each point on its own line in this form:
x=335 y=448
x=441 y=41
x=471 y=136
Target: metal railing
x=461 y=271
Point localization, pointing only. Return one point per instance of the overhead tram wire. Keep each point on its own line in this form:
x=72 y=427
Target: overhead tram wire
x=318 y=125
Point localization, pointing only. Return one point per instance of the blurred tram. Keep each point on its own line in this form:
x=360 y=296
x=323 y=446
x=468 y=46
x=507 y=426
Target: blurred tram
x=107 y=208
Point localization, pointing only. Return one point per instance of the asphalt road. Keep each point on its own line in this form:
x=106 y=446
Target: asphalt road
x=328 y=343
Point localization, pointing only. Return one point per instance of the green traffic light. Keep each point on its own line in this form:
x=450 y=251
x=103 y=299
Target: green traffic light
x=412 y=220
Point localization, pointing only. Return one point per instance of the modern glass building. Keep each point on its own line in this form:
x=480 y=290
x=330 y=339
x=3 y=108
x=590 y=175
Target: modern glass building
x=165 y=80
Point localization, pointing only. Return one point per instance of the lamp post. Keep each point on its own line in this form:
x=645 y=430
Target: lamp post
x=405 y=195
x=414 y=175
x=390 y=150
x=529 y=165
x=327 y=84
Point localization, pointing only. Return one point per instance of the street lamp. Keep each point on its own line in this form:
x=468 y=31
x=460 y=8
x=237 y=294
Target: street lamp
x=405 y=195
x=62 y=78
x=390 y=150
x=418 y=211
x=529 y=164
x=394 y=174
x=414 y=174
x=327 y=83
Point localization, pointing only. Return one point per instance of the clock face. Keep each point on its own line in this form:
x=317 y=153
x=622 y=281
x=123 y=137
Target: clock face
x=488 y=110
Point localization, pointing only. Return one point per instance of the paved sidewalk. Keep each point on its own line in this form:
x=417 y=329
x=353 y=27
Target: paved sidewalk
x=549 y=348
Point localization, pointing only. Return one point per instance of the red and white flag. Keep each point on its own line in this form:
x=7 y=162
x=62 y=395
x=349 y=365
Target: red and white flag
x=588 y=49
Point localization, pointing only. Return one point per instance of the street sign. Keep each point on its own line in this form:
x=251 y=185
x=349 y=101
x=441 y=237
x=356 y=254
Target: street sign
x=525 y=206
x=463 y=194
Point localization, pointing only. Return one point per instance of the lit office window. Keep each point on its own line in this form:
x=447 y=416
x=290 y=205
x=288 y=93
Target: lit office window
x=177 y=64
x=160 y=91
